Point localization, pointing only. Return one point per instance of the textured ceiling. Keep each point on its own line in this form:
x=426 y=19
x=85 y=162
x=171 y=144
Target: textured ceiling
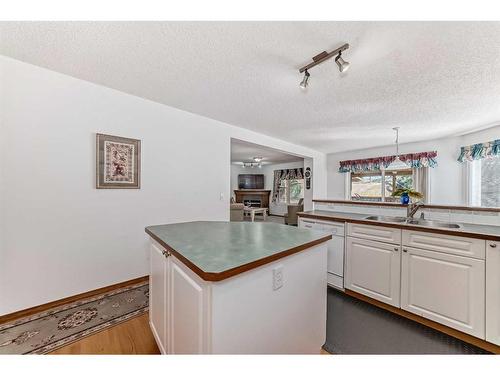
x=245 y=152
x=432 y=79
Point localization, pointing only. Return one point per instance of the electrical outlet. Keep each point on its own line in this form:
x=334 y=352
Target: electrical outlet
x=277 y=277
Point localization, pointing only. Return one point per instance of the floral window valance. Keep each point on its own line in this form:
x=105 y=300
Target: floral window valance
x=417 y=160
x=480 y=151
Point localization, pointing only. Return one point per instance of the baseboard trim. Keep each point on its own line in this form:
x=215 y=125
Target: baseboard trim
x=429 y=323
x=50 y=305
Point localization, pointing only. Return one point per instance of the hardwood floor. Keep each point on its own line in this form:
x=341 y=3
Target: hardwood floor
x=131 y=337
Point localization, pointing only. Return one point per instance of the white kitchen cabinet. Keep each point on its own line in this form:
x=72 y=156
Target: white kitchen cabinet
x=373 y=269
x=493 y=292
x=188 y=305
x=158 y=295
x=464 y=246
x=243 y=314
x=445 y=288
x=177 y=305
x=374 y=232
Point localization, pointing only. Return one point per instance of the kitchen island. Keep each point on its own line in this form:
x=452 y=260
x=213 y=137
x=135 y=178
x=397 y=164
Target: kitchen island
x=237 y=287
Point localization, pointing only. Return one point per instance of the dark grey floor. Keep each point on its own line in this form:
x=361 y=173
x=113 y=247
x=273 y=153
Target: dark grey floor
x=357 y=327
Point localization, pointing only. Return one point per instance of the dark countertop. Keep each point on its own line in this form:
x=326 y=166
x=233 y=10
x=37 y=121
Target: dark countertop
x=218 y=250
x=485 y=232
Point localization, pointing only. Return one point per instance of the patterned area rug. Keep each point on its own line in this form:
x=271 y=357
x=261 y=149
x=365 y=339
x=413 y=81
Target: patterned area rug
x=51 y=329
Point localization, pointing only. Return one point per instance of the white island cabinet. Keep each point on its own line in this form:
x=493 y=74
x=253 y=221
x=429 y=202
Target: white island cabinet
x=237 y=288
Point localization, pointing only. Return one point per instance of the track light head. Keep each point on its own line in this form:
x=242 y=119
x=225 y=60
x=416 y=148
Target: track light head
x=342 y=64
x=305 y=80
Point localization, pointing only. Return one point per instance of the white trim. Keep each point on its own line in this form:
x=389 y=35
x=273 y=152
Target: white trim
x=472 y=182
x=347 y=186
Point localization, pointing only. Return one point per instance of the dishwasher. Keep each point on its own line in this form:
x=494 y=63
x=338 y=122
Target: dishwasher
x=335 y=267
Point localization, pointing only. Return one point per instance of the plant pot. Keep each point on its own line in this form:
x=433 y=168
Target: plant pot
x=405 y=198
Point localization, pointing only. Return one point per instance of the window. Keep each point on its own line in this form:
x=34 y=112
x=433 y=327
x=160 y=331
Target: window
x=397 y=179
x=378 y=186
x=291 y=191
x=484 y=182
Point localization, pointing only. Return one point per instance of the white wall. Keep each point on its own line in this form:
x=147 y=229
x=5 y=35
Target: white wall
x=60 y=236
x=447 y=179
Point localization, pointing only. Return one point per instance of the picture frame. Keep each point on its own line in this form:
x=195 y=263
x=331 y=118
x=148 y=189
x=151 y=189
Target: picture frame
x=118 y=162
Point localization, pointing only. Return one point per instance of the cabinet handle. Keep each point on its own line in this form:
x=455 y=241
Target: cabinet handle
x=405 y=250
x=493 y=245
x=396 y=249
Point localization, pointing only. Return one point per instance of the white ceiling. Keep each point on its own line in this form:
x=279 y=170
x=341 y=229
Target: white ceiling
x=242 y=151
x=433 y=79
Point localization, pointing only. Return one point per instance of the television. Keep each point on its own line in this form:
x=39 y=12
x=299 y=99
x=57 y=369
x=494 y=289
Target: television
x=250 y=181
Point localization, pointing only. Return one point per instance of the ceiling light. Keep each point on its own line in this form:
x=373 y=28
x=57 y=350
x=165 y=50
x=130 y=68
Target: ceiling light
x=342 y=64
x=322 y=57
x=257 y=159
x=397 y=163
x=305 y=80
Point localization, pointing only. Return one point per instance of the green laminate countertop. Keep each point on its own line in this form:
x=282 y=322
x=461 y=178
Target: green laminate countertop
x=217 y=250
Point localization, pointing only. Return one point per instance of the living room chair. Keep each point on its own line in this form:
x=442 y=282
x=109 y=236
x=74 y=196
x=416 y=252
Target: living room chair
x=236 y=211
x=291 y=217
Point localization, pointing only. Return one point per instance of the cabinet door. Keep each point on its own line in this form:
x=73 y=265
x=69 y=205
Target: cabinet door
x=493 y=292
x=448 y=289
x=187 y=312
x=158 y=296
x=373 y=269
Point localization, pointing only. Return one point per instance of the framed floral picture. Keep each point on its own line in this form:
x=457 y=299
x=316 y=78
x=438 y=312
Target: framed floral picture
x=118 y=162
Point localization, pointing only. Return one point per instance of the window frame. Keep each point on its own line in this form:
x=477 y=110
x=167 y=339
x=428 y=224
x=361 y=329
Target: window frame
x=472 y=183
x=287 y=190
x=382 y=174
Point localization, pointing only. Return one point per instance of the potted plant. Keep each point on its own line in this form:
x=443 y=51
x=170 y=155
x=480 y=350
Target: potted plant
x=406 y=194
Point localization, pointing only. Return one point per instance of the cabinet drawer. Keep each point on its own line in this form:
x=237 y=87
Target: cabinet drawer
x=448 y=289
x=469 y=247
x=374 y=232
x=336 y=229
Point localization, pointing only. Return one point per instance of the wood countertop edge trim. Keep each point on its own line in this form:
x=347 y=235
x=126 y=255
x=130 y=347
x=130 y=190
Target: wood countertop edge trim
x=396 y=205
x=211 y=276
x=483 y=344
x=481 y=236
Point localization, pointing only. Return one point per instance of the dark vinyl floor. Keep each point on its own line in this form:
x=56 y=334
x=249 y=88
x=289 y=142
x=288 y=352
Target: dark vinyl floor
x=357 y=327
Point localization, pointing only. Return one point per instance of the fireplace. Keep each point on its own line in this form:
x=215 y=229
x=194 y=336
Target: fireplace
x=252 y=202
x=256 y=197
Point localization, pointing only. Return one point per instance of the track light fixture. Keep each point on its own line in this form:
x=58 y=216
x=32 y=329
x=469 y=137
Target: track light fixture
x=342 y=64
x=322 y=57
x=257 y=162
x=305 y=80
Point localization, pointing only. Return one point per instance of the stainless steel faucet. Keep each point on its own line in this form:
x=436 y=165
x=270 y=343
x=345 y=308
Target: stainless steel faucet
x=412 y=208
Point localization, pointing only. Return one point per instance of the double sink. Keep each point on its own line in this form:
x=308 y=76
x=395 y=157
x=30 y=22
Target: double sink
x=412 y=221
